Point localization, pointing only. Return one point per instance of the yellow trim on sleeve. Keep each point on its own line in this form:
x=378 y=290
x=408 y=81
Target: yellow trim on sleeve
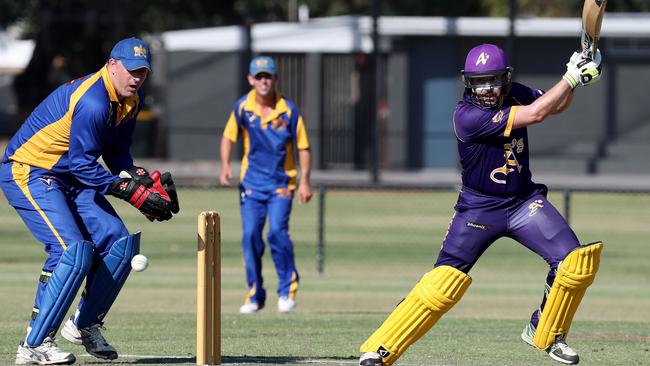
x=244 y=160
x=511 y=121
x=231 y=131
x=45 y=147
x=20 y=173
x=301 y=135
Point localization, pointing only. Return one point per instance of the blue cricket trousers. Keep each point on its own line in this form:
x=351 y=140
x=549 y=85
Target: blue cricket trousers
x=58 y=211
x=255 y=207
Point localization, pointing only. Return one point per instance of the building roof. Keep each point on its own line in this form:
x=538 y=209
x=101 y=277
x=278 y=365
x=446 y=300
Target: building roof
x=344 y=34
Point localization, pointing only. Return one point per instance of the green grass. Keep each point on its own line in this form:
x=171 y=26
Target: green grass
x=378 y=245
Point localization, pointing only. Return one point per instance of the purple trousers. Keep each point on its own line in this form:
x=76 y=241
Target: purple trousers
x=531 y=220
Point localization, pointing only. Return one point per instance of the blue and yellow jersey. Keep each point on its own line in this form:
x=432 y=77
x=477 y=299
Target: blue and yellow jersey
x=74 y=126
x=269 y=143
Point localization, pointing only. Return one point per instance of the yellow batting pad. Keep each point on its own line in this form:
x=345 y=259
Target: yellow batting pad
x=432 y=297
x=576 y=272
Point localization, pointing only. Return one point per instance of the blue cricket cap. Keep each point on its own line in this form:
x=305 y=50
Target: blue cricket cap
x=134 y=53
x=262 y=64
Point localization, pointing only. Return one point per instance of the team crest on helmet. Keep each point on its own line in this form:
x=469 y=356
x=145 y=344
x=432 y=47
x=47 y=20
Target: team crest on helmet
x=482 y=58
x=139 y=51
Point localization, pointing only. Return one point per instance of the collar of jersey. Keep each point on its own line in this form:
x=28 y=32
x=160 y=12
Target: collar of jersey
x=127 y=106
x=280 y=108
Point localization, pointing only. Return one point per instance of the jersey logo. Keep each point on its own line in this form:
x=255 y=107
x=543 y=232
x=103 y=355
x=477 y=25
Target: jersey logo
x=250 y=116
x=498 y=117
x=534 y=206
x=279 y=124
x=511 y=161
x=482 y=58
x=139 y=51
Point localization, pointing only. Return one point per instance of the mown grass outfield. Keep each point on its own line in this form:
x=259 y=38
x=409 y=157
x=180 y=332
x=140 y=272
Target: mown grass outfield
x=378 y=246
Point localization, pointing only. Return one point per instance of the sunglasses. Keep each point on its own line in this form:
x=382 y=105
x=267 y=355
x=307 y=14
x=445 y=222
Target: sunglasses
x=263 y=75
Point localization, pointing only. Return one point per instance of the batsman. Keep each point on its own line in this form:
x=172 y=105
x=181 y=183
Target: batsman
x=499 y=199
x=51 y=175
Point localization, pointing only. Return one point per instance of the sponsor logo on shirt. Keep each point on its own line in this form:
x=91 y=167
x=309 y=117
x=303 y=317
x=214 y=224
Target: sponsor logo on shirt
x=483 y=227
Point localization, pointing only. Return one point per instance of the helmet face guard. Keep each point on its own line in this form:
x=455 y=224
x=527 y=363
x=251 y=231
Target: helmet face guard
x=476 y=84
x=486 y=69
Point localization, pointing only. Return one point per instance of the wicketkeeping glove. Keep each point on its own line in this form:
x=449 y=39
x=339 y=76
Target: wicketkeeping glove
x=145 y=198
x=583 y=70
x=170 y=188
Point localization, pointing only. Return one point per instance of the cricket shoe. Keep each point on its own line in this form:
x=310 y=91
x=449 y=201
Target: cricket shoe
x=559 y=350
x=370 y=359
x=250 y=308
x=48 y=353
x=286 y=305
x=91 y=338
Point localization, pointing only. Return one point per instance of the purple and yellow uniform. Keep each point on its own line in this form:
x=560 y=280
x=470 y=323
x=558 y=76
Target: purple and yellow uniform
x=50 y=171
x=267 y=184
x=498 y=198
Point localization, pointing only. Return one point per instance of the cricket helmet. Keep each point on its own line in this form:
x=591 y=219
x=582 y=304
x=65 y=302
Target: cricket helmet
x=486 y=67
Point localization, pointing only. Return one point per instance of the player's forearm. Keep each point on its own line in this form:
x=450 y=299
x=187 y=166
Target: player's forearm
x=564 y=104
x=226 y=151
x=304 y=157
x=543 y=106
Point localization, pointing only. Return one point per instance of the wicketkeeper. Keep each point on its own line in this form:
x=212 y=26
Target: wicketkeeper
x=499 y=199
x=51 y=175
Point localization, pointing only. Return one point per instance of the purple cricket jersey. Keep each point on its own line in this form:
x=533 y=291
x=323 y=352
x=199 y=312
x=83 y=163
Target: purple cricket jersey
x=493 y=156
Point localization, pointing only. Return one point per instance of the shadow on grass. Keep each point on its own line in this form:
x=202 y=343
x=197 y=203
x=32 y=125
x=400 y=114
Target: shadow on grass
x=284 y=360
x=261 y=360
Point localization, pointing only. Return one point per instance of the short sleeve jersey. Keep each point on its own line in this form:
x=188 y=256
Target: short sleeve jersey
x=493 y=156
x=270 y=143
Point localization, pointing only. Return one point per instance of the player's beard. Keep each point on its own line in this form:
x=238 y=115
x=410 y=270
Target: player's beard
x=489 y=97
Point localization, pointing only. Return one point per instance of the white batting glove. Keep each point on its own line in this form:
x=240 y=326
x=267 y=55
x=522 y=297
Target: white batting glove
x=583 y=70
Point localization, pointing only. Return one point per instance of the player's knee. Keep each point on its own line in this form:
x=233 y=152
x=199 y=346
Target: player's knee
x=441 y=288
x=579 y=267
x=279 y=236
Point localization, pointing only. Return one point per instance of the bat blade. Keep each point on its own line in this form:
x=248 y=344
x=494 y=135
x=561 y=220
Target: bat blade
x=592 y=18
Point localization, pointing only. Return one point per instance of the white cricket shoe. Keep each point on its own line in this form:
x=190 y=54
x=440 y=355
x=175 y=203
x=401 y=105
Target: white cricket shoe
x=91 y=338
x=559 y=351
x=48 y=353
x=250 y=308
x=370 y=359
x=286 y=305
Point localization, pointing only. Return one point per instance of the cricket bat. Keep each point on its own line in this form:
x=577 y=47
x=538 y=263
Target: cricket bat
x=592 y=18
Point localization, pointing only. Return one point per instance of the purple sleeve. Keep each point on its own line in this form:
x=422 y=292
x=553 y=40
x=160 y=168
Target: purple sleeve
x=472 y=123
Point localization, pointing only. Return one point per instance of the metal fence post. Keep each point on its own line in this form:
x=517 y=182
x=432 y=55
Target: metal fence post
x=320 y=251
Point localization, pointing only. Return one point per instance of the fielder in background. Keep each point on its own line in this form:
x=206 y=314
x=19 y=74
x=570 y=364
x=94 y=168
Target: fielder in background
x=499 y=199
x=272 y=130
x=51 y=175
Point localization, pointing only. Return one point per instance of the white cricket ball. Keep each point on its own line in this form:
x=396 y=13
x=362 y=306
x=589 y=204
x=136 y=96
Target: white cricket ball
x=139 y=263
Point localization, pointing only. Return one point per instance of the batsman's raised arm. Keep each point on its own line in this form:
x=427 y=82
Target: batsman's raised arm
x=580 y=70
